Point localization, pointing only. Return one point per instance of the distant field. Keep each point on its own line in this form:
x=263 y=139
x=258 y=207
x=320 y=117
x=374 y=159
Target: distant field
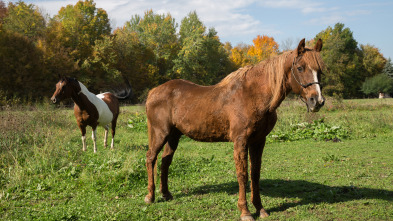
x=305 y=175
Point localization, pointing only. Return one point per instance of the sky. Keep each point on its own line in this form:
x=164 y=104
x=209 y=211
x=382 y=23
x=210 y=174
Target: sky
x=240 y=21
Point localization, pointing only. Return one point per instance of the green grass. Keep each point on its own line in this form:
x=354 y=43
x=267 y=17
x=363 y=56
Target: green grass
x=44 y=175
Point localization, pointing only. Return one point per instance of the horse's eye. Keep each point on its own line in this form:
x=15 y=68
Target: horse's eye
x=300 y=69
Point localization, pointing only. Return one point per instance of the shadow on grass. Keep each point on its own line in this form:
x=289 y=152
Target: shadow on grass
x=308 y=192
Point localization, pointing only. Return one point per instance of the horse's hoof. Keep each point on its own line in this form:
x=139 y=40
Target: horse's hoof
x=149 y=200
x=167 y=197
x=263 y=213
x=247 y=218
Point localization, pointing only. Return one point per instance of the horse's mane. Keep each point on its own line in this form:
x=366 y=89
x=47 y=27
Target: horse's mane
x=274 y=69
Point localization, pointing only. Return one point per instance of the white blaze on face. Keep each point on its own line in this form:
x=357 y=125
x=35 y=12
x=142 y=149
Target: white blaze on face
x=315 y=75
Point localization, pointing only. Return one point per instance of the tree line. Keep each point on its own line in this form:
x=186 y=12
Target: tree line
x=149 y=50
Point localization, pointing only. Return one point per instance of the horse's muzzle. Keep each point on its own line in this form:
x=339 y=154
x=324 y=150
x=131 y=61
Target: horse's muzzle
x=314 y=103
x=54 y=100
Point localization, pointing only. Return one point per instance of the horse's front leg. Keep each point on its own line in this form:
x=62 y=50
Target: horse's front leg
x=240 y=157
x=83 y=131
x=255 y=152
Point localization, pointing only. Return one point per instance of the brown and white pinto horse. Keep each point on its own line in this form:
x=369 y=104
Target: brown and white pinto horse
x=89 y=109
x=239 y=109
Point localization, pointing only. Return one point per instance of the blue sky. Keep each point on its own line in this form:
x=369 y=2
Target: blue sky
x=240 y=21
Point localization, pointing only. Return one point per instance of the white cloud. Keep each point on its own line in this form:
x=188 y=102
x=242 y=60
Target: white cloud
x=234 y=20
x=228 y=17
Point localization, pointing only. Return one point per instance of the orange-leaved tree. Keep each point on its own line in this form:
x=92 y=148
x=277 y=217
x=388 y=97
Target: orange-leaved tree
x=264 y=47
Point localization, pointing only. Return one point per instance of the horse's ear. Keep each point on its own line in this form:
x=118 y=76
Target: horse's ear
x=318 y=46
x=301 y=48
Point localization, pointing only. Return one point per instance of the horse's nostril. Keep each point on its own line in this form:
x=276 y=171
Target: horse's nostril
x=311 y=100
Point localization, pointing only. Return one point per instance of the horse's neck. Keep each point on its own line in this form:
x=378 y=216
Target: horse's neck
x=264 y=91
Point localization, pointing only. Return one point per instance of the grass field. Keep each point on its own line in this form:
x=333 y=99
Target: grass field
x=305 y=175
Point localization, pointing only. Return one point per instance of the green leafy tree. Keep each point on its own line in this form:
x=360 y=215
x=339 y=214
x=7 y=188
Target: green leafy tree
x=101 y=65
x=202 y=58
x=77 y=27
x=157 y=33
x=24 y=19
x=135 y=61
x=380 y=83
x=341 y=55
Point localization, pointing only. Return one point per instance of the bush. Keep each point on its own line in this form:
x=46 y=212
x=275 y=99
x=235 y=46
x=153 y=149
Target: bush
x=317 y=130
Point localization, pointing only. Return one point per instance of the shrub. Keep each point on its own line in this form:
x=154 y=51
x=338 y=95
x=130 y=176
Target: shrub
x=317 y=130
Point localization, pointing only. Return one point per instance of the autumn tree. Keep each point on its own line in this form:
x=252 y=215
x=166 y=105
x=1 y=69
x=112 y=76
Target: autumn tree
x=264 y=47
x=239 y=56
x=372 y=60
x=3 y=12
x=202 y=58
x=24 y=19
x=22 y=72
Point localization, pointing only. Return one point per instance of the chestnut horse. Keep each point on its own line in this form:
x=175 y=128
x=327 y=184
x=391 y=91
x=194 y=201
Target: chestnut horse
x=90 y=109
x=239 y=109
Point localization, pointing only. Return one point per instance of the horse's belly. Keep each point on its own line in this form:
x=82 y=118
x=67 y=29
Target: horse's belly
x=105 y=118
x=208 y=138
x=204 y=129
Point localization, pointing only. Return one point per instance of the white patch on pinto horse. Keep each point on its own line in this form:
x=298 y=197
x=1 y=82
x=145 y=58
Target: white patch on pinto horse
x=105 y=115
x=315 y=74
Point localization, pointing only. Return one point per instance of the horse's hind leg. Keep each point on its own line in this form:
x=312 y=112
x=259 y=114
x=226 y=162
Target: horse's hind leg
x=157 y=139
x=106 y=136
x=167 y=156
x=113 y=132
x=94 y=138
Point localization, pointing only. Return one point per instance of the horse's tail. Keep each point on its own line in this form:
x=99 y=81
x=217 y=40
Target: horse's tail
x=124 y=93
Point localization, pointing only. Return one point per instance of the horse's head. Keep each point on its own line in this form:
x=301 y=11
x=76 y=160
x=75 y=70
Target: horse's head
x=305 y=76
x=64 y=89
